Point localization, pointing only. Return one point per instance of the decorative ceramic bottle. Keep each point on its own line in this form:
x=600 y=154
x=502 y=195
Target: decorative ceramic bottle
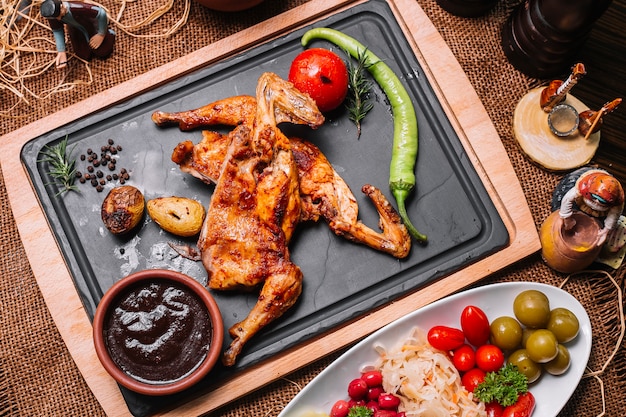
x=541 y=38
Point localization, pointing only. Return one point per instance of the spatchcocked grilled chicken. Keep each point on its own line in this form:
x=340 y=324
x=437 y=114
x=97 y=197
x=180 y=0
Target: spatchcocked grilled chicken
x=265 y=185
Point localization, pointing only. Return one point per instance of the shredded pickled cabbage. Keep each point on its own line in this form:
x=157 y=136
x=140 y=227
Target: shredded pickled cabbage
x=425 y=379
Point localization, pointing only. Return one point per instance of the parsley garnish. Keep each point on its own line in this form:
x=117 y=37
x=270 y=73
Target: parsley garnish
x=503 y=386
x=360 y=411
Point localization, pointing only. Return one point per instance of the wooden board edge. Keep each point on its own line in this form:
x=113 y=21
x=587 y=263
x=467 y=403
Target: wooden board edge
x=55 y=281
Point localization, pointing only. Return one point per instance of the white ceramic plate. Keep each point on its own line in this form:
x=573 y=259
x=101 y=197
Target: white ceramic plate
x=551 y=392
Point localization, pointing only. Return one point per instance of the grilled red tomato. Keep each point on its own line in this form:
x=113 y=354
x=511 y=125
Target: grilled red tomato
x=321 y=74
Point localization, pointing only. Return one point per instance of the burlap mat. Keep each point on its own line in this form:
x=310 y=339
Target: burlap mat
x=37 y=374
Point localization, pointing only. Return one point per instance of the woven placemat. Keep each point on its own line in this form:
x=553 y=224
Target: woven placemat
x=37 y=374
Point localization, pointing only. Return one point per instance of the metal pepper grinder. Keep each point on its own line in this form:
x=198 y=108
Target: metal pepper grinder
x=542 y=38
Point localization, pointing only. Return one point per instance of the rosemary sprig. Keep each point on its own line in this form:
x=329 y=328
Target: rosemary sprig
x=359 y=87
x=62 y=165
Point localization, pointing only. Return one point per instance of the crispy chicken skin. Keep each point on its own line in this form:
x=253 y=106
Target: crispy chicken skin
x=266 y=184
x=231 y=111
x=323 y=192
x=255 y=208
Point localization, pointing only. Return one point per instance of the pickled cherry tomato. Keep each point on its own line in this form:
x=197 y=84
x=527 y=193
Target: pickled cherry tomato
x=385 y=413
x=472 y=378
x=356 y=403
x=464 y=358
x=367 y=391
x=357 y=389
x=373 y=405
x=341 y=408
x=475 y=325
x=372 y=378
x=374 y=392
x=445 y=338
x=489 y=358
x=494 y=409
x=388 y=401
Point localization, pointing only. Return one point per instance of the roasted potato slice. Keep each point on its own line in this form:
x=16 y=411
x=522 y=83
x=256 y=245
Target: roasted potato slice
x=178 y=215
x=122 y=209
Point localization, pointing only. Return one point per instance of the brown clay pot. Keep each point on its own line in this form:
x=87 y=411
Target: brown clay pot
x=140 y=280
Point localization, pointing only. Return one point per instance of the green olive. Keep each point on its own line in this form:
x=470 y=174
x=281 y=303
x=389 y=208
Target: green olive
x=564 y=324
x=526 y=332
x=560 y=364
x=532 y=309
x=506 y=333
x=542 y=346
x=526 y=366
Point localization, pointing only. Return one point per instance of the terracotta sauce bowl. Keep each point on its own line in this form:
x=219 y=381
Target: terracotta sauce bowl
x=158 y=332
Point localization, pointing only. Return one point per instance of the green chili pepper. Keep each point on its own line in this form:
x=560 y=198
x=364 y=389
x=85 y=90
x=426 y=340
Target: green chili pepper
x=404 y=154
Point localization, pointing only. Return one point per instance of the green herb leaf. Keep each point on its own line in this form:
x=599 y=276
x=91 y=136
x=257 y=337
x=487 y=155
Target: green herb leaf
x=360 y=411
x=503 y=386
x=358 y=89
x=62 y=167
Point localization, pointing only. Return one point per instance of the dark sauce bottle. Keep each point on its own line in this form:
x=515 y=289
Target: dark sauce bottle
x=542 y=38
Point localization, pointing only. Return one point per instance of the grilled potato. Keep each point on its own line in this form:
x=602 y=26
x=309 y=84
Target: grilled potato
x=178 y=215
x=122 y=209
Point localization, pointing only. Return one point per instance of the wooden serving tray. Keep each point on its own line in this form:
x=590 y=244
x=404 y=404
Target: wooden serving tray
x=462 y=107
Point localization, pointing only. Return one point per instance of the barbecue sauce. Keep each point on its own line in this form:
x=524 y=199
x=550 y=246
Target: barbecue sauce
x=158 y=333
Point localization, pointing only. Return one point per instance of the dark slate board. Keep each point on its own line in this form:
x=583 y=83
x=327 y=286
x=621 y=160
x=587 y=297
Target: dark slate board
x=342 y=280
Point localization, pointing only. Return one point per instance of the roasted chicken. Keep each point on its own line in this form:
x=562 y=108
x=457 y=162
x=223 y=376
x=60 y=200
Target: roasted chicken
x=265 y=185
x=323 y=192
